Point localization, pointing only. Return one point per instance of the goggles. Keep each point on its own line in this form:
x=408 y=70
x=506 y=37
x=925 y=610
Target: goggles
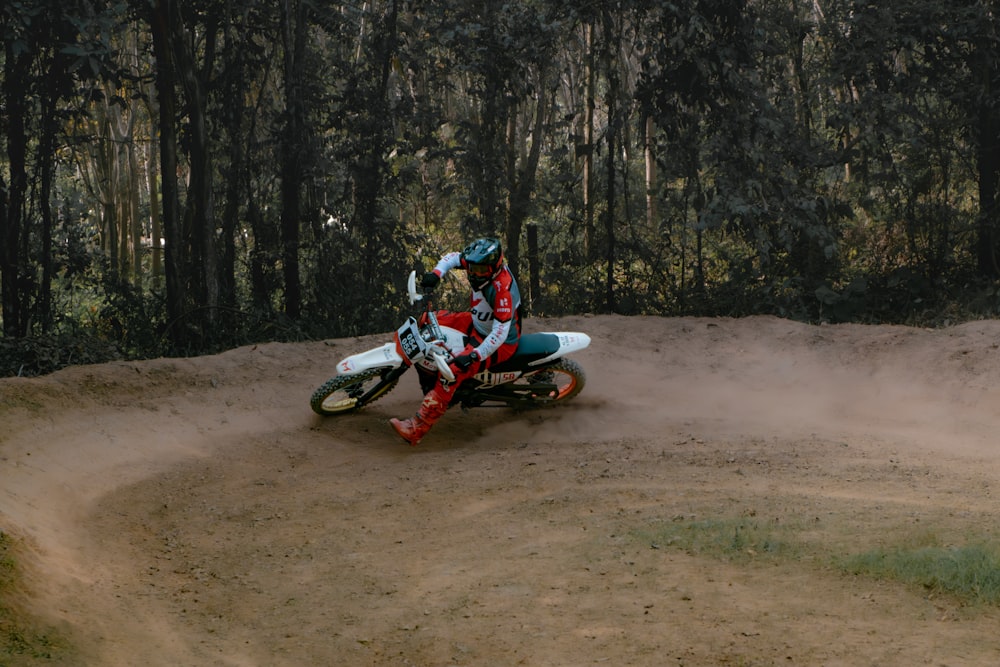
x=480 y=270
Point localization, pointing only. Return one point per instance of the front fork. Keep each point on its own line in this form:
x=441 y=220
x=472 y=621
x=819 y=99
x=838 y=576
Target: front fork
x=388 y=379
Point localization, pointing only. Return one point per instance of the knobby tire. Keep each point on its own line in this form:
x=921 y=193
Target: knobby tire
x=568 y=377
x=344 y=393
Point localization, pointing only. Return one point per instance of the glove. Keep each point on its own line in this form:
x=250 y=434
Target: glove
x=430 y=280
x=468 y=357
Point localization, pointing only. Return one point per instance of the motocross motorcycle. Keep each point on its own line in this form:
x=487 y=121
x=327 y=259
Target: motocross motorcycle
x=538 y=374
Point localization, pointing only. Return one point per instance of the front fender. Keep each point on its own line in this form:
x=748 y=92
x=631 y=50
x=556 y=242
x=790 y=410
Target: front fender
x=378 y=357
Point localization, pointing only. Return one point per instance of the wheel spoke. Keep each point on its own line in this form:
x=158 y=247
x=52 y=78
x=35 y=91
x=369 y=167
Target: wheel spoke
x=344 y=393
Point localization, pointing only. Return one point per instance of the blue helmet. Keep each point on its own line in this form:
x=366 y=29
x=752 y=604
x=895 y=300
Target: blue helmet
x=482 y=260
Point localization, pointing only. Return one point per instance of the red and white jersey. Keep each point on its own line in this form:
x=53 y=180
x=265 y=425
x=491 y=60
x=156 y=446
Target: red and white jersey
x=494 y=307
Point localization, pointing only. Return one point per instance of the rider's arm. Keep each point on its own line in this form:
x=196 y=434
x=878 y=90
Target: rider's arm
x=452 y=260
x=497 y=337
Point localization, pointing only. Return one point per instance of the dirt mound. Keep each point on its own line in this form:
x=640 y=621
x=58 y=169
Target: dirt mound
x=196 y=512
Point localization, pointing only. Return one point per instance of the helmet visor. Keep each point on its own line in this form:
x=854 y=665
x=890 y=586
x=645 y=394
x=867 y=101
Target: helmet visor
x=480 y=270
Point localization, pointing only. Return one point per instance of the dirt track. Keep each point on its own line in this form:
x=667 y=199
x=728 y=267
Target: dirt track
x=195 y=512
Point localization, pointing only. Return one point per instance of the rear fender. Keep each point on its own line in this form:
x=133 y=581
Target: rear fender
x=569 y=342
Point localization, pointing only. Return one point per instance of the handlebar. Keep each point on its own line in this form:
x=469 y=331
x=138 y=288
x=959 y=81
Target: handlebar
x=411 y=287
x=444 y=368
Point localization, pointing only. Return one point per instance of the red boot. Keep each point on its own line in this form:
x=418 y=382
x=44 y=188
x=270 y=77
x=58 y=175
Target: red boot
x=415 y=428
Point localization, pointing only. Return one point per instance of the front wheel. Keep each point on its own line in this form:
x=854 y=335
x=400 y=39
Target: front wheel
x=346 y=393
x=553 y=384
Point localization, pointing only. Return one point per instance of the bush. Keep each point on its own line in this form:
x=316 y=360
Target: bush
x=39 y=355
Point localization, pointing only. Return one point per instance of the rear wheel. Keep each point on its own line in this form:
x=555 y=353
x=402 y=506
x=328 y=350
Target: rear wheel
x=346 y=393
x=554 y=384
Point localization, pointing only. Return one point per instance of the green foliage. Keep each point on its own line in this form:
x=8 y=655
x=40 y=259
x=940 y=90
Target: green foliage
x=131 y=317
x=970 y=572
x=39 y=355
x=818 y=165
x=339 y=302
x=740 y=539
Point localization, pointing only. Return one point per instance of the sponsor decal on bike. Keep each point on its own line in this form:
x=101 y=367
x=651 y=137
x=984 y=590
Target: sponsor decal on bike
x=567 y=339
x=346 y=366
x=493 y=379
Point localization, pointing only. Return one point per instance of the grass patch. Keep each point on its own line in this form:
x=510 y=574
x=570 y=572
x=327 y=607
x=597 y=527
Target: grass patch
x=18 y=639
x=970 y=573
x=742 y=538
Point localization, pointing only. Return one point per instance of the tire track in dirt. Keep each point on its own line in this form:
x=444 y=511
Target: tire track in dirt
x=195 y=512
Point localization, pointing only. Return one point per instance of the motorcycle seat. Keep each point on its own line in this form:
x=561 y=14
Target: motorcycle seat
x=530 y=347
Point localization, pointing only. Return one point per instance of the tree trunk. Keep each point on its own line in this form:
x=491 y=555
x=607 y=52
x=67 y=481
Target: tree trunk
x=611 y=103
x=293 y=29
x=262 y=267
x=46 y=157
x=234 y=121
x=652 y=214
x=988 y=164
x=369 y=176
x=174 y=255
x=134 y=181
x=534 y=281
x=12 y=275
x=987 y=161
x=523 y=179
x=156 y=224
x=191 y=241
x=200 y=202
x=590 y=244
x=491 y=129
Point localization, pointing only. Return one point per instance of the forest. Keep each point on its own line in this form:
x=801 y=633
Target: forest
x=178 y=178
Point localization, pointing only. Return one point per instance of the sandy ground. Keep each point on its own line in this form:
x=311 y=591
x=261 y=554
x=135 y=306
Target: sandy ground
x=196 y=512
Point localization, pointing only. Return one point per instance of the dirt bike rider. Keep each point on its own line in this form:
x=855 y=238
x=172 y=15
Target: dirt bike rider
x=492 y=323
